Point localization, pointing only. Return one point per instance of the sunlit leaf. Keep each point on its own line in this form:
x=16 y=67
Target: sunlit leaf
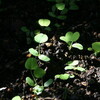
x=44 y=58
x=96 y=46
x=90 y=49
x=69 y=67
x=41 y=38
x=33 y=52
x=60 y=6
x=75 y=36
x=73 y=63
x=31 y=63
x=44 y=22
x=78 y=46
x=47 y=83
x=64 y=76
x=80 y=69
x=29 y=81
x=16 y=98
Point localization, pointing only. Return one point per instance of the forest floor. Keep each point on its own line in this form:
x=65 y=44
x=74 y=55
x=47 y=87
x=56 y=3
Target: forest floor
x=13 y=45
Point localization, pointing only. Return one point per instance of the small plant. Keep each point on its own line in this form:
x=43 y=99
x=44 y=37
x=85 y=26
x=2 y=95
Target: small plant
x=44 y=23
x=95 y=48
x=60 y=9
x=70 y=38
x=36 y=72
x=71 y=65
x=39 y=38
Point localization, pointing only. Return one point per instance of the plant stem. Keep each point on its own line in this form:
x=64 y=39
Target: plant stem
x=33 y=78
x=39 y=48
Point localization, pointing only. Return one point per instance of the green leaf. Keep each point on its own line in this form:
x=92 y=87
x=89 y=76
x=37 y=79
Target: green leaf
x=31 y=63
x=75 y=36
x=73 y=63
x=36 y=32
x=39 y=72
x=51 y=14
x=57 y=25
x=64 y=76
x=69 y=67
x=33 y=52
x=44 y=58
x=73 y=6
x=48 y=83
x=54 y=8
x=38 y=89
x=25 y=29
x=63 y=38
x=78 y=46
x=64 y=11
x=57 y=76
x=90 y=49
x=96 y=46
x=68 y=36
x=62 y=17
x=44 y=22
x=47 y=28
x=60 y=6
x=72 y=76
x=29 y=81
x=80 y=69
x=41 y=38
x=16 y=98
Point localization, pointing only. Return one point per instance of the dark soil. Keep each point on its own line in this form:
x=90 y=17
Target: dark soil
x=13 y=47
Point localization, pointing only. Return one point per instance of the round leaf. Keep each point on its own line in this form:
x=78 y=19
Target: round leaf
x=78 y=46
x=73 y=63
x=75 y=36
x=80 y=69
x=62 y=17
x=44 y=58
x=31 y=63
x=68 y=36
x=47 y=83
x=41 y=38
x=60 y=6
x=64 y=11
x=39 y=73
x=51 y=14
x=69 y=67
x=64 y=76
x=29 y=81
x=33 y=52
x=16 y=98
x=96 y=46
x=44 y=22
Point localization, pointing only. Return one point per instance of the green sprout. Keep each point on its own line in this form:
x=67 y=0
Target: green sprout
x=71 y=65
x=70 y=38
x=39 y=38
x=95 y=48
